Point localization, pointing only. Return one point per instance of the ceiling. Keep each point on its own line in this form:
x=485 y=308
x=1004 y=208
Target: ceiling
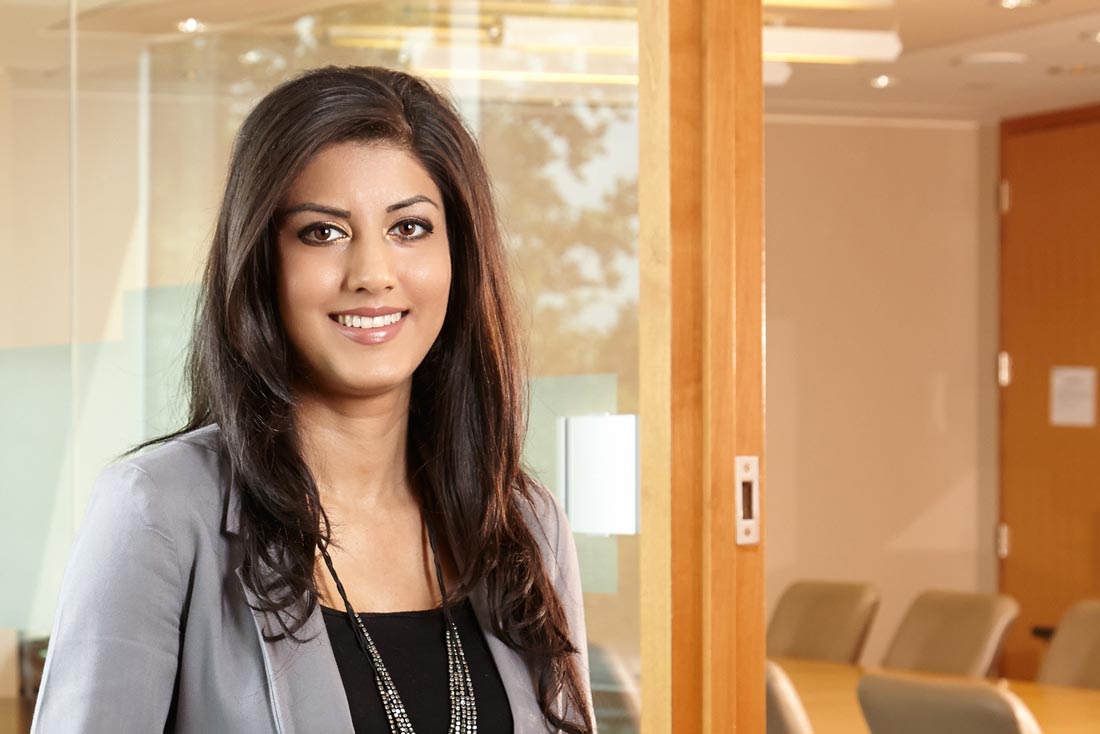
x=1061 y=69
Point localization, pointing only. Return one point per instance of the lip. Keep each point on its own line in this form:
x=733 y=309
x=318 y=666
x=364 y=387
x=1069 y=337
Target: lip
x=370 y=337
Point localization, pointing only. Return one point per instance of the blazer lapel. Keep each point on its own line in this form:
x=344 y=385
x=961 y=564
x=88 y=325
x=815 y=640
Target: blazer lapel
x=518 y=680
x=307 y=693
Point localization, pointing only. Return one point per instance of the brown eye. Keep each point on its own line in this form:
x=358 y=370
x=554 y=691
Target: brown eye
x=412 y=229
x=316 y=234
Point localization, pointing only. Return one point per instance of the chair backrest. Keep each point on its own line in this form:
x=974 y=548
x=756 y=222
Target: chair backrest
x=951 y=632
x=899 y=704
x=786 y=715
x=615 y=696
x=1074 y=655
x=822 y=620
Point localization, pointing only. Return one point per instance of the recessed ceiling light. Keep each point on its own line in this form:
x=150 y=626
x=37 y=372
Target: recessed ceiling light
x=1091 y=36
x=882 y=81
x=994 y=57
x=1017 y=4
x=190 y=25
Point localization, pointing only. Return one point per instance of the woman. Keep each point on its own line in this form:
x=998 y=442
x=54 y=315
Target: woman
x=341 y=538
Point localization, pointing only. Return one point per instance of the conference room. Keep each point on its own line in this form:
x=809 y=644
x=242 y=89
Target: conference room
x=931 y=369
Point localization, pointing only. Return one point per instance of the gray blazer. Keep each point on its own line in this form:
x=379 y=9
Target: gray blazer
x=153 y=616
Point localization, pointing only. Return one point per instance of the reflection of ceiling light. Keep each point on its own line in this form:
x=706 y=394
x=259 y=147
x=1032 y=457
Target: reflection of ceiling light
x=994 y=57
x=1091 y=36
x=1017 y=4
x=776 y=73
x=829 y=45
x=604 y=36
x=190 y=26
x=393 y=32
x=555 y=9
x=882 y=81
x=523 y=75
x=263 y=58
x=830 y=4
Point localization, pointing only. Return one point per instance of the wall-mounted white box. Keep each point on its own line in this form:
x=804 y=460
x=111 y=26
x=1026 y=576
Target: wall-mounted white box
x=598 y=457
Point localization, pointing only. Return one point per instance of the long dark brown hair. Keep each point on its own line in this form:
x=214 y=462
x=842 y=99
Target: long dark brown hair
x=468 y=407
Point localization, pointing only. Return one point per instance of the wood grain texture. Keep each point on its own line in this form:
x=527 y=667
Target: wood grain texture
x=655 y=365
x=701 y=362
x=828 y=691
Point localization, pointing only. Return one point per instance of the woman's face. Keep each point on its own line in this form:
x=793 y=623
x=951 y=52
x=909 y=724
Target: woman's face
x=364 y=268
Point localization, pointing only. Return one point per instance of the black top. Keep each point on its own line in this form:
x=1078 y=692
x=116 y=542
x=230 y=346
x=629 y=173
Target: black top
x=414 y=651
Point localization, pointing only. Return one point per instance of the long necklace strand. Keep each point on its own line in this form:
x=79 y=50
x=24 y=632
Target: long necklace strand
x=463 y=705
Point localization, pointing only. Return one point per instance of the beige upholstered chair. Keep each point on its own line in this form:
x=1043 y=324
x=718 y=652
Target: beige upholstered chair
x=822 y=620
x=615 y=696
x=951 y=632
x=1074 y=655
x=786 y=714
x=899 y=704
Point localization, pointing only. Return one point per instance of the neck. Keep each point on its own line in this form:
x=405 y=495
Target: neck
x=356 y=447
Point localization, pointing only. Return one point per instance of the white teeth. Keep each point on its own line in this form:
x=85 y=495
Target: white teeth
x=366 y=322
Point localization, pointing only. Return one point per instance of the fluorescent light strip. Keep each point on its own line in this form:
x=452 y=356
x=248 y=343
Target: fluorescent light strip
x=525 y=31
x=829 y=45
x=811 y=59
x=578 y=10
x=380 y=43
x=390 y=31
x=830 y=4
x=401 y=43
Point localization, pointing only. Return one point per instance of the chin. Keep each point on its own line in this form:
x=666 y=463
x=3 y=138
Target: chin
x=375 y=385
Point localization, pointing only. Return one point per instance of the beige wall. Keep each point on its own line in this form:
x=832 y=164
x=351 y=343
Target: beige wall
x=881 y=286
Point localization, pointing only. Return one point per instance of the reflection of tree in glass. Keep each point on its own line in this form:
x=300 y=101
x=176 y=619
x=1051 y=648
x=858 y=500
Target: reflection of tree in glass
x=570 y=209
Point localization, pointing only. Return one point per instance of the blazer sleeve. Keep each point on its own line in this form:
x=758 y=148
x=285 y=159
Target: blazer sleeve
x=567 y=580
x=113 y=653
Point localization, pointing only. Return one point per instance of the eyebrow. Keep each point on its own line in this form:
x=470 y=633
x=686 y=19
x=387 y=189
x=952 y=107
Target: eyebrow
x=409 y=202
x=345 y=214
x=310 y=207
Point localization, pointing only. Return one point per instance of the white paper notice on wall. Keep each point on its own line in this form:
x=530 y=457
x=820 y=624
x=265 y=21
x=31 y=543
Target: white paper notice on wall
x=1073 y=396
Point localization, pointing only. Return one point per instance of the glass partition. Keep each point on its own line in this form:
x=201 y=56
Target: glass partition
x=155 y=94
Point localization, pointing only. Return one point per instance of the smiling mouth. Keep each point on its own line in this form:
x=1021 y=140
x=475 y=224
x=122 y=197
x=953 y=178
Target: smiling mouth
x=368 y=322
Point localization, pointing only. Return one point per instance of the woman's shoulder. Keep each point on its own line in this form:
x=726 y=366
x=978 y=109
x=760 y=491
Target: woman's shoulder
x=181 y=480
x=547 y=518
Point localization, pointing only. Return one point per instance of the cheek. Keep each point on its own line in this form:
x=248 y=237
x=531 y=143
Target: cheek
x=429 y=281
x=305 y=284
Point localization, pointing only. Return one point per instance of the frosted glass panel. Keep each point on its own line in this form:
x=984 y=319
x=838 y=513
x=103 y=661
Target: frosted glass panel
x=112 y=193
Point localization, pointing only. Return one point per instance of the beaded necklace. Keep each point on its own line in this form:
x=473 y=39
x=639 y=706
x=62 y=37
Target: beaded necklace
x=463 y=706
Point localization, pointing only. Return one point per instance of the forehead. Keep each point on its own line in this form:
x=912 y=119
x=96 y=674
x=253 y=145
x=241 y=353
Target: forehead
x=361 y=174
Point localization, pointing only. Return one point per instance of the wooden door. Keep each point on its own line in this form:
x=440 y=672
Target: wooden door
x=1050 y=318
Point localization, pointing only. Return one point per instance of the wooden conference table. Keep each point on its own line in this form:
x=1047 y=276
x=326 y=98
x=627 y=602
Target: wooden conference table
x=828 y=692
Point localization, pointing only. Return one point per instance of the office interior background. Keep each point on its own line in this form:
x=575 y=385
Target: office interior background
x=884 y=212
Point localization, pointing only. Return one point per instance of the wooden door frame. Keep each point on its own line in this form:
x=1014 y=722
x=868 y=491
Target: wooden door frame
x=701 y=362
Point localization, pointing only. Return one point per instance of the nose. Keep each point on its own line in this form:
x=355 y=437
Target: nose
x=370 y=265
